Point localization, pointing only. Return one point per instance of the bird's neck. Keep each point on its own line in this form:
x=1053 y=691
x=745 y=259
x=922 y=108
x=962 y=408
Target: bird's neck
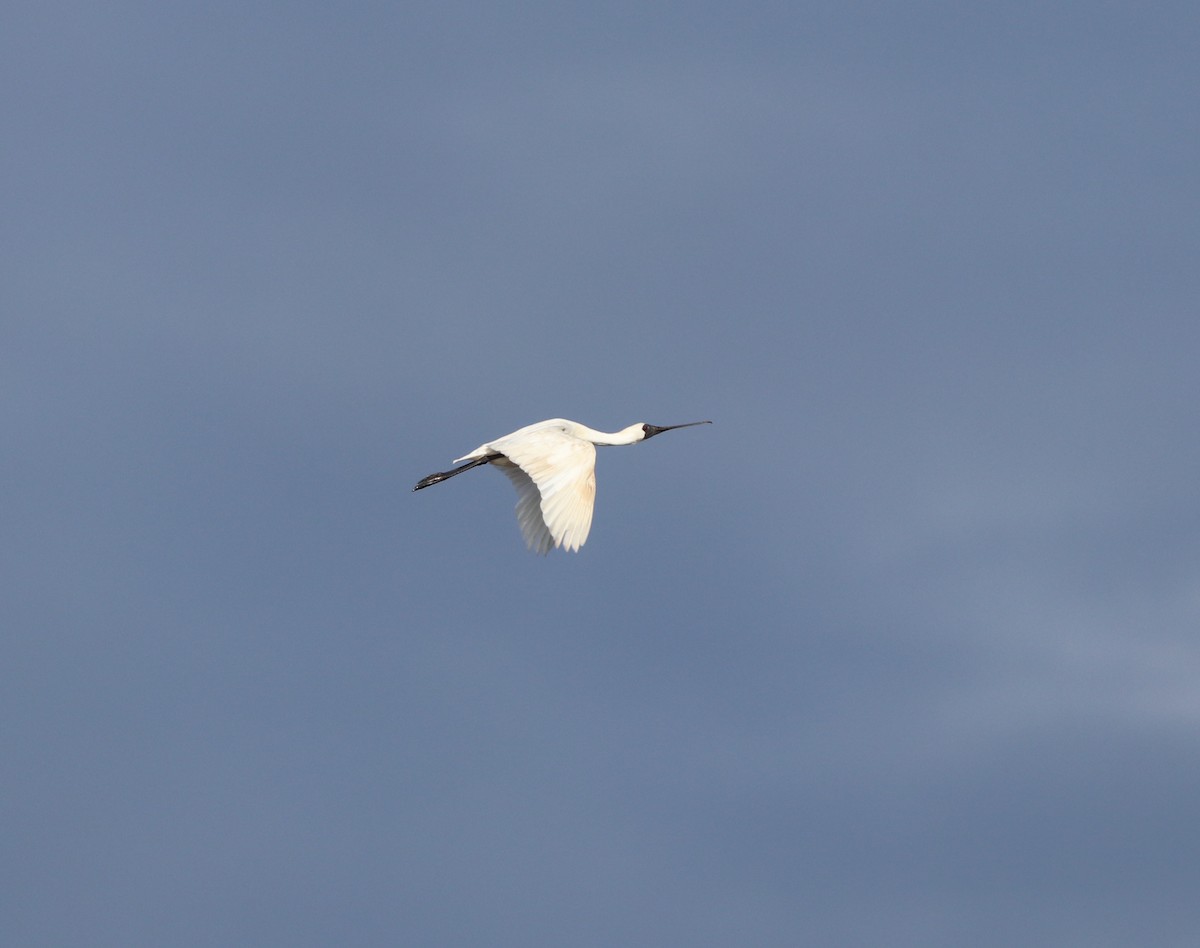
x=630 y=435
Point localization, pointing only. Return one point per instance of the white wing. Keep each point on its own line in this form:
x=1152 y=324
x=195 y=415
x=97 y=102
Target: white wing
x=529 y=509
x=555 y=477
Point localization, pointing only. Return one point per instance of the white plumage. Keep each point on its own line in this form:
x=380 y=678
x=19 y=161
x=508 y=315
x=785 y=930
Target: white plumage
x=552 y=464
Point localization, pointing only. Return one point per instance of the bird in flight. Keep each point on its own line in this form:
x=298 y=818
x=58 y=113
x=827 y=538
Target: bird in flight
x=552 y=464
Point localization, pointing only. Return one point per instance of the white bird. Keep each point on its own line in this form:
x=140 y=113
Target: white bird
x=552 y=464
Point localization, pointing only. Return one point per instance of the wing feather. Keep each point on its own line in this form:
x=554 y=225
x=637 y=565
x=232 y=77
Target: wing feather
x=529 y=512
x=555 y=477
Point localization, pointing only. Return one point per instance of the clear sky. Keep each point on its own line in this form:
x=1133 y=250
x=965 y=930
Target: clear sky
x=903 y=650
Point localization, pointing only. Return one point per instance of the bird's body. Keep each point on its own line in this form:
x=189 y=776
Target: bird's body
x=552 y=464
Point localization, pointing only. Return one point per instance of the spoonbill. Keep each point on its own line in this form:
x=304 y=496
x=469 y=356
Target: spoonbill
x=552 y=464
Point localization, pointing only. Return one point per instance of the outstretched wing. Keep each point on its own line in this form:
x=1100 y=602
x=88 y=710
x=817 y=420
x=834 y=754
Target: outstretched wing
x=529 y=508
x=555 y=477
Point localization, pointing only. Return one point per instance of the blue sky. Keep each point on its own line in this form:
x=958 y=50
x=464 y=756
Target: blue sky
x=902 y=650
